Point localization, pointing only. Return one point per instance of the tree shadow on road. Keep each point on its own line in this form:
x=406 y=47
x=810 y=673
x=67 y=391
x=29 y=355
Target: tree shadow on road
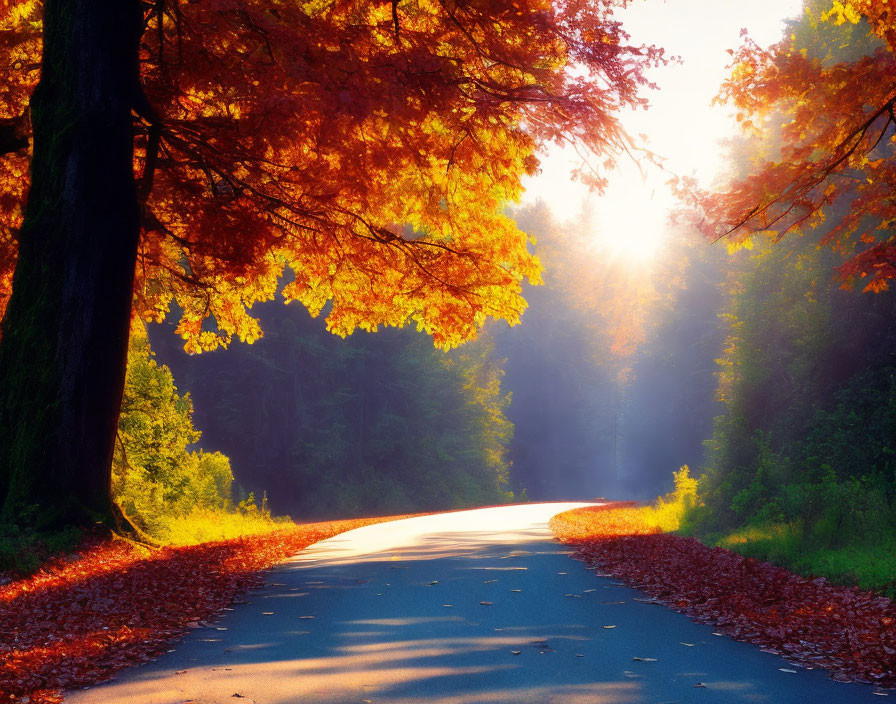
x=459 y=619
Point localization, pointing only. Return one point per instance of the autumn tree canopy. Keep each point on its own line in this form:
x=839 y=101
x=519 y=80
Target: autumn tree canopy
x=190 y=152
x=824 y=104
x=368 y=147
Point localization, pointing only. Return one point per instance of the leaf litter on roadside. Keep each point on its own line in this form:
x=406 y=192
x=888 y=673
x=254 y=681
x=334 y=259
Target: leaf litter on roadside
x=811 y=622
x=85 y=616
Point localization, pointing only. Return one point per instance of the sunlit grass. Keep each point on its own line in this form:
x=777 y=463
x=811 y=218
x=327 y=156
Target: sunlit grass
x=762 y=537
x=204 y=525
x=664 y=515
x=667 y=512
x=866 y=561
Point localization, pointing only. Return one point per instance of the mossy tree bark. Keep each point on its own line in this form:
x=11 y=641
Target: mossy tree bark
x=64 y=336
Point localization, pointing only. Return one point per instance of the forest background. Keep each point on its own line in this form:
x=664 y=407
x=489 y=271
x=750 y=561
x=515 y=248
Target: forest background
x=750 y=363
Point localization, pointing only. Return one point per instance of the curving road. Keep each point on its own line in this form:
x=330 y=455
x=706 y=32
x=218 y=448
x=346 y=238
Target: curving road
x=459 y=608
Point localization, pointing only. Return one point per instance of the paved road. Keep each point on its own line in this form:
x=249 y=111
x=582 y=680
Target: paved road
x=460 y=608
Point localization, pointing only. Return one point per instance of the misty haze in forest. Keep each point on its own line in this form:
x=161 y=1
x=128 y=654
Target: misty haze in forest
x=764 y=360
x=605 y=388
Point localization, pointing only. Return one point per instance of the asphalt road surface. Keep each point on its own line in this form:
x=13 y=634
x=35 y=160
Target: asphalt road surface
x=459 y=608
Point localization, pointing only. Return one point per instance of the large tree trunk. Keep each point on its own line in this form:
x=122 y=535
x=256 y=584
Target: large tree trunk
x=64 y=337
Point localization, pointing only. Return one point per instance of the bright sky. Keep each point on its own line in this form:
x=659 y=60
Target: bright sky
x=681 y=125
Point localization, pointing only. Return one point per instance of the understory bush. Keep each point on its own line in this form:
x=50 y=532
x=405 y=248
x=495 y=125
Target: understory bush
x=177 y=495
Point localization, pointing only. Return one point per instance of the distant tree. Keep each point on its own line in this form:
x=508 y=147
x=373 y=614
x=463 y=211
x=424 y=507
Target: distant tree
x=375 y=424
x=826 y=91
x=189 y=152
x=807 y=380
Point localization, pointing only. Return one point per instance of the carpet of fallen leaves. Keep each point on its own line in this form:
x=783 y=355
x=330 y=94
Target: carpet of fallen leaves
x=87 y=615
x=810 y=622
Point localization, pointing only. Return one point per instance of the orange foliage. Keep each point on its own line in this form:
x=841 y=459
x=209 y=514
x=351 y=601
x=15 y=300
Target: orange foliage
x=607 y=521
x=835 y=115
x=367 y=147
x=81 y=619
x=808 y=621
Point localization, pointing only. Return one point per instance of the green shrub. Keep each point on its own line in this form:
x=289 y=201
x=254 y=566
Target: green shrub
x=175 y=494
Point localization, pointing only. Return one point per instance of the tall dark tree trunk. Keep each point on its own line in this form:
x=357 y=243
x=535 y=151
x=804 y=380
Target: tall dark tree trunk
x=63 y=349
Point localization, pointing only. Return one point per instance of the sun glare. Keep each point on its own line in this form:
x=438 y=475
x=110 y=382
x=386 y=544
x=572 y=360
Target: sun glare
x=682 y=127
x=629 y=221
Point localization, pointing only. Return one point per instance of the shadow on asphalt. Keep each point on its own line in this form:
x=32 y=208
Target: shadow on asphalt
x=461 y=619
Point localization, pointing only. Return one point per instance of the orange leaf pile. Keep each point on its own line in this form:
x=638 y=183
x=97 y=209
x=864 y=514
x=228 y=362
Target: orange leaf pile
x=82 y=618
x=809 y=621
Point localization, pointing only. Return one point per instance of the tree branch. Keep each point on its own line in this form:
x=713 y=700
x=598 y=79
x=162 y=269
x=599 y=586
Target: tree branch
x=145 y=110
x=395 y=20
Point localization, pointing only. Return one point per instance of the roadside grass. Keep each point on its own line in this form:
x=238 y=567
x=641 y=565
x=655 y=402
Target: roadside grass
x=203 y=525
x=866 y=561
x=623 y=518
x=23 y=551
